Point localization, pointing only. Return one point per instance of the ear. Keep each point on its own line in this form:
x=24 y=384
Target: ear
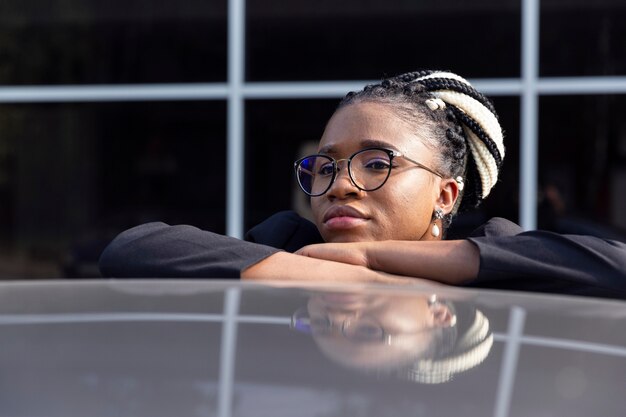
x=448 y=193
x=441 y=315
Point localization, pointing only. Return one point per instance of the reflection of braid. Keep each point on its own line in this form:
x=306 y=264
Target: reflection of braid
x=467 y=120
x=470 y=348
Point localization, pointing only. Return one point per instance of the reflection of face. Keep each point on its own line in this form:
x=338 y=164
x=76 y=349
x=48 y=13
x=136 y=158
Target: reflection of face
x=400 y=210
x=409 y=322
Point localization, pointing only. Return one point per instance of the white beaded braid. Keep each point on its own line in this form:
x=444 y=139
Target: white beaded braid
x=470 y=350
x=477 y=111
x=486 y=161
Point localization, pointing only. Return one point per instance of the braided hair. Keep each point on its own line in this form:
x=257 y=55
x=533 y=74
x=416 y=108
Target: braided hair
x=464 y=126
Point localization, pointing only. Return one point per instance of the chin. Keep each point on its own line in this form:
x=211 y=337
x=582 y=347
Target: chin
x=347 y=238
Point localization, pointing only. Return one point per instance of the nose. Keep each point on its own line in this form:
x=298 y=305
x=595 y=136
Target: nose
x=343 y=187
x=338 y=318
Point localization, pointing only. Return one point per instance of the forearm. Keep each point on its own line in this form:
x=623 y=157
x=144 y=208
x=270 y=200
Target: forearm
x=284 y=266
x=452 y=262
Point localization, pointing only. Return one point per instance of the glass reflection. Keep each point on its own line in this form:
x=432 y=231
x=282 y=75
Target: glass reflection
x=419 y=338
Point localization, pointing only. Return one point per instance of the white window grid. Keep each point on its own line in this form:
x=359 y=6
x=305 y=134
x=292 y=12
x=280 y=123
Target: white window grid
x=528 y=87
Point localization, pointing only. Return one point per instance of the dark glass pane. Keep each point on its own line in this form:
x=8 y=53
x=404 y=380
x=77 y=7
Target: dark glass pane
x=582 y=165
x=131 y=41
x=583 y=38
x=359 y=39
x=277 y=133
x=74 y=175
x=280 y=131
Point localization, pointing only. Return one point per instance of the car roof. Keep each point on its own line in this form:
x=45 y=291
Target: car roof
x=231 y=348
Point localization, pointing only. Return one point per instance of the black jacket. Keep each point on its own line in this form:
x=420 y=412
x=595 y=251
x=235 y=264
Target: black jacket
x=510 y=258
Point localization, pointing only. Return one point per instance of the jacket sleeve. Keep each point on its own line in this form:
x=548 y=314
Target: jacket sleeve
x=158 y=250
x=548 y=262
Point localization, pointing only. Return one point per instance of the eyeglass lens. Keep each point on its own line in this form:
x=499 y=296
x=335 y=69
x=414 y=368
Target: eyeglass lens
x=358 y=329
x=368 y=169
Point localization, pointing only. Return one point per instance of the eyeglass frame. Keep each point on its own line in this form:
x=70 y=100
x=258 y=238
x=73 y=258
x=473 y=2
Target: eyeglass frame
x=385 y=337
x=390 y=152
x=331 y=324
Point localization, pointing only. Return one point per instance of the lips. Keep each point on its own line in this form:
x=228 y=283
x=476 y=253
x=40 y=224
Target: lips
x=343 y=211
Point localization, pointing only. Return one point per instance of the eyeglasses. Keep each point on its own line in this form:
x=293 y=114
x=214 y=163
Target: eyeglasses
x=368 y=169
x=359 y=329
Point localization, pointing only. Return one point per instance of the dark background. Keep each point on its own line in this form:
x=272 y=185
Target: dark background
x=72 y=175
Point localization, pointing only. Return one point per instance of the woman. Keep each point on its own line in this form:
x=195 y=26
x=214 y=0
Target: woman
x=411 y=336
x=396 y=161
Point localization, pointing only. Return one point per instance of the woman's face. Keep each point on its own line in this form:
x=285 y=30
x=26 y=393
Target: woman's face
x=408 y=320
x=402 y=208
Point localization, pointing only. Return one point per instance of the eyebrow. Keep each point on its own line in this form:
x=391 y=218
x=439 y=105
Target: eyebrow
x=365 y=143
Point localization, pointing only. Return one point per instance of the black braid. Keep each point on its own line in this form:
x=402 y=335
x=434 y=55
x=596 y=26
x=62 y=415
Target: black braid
x=478 y=131
x=457 y=148
x=411 y=76
x=472 y=194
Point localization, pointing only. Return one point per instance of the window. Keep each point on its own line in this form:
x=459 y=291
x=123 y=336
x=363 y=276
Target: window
x=110 y=111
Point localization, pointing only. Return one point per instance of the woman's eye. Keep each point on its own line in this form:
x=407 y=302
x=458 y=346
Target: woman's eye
x=326 y=169
x=377 y=164
x=320 y=325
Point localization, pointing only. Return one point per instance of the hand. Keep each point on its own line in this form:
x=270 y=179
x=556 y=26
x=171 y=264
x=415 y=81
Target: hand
x=283 y=268
x=347 y=253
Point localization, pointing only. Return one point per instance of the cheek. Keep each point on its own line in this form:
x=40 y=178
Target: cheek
x=411 y=212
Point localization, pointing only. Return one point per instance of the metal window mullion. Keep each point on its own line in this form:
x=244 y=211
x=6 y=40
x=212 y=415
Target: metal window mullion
x=113 y=92
x=529 y=115
x=251 y=90
x=582 y=85
x=285 y=90
x=228 y=350
x=508 y=370
x=235 y=154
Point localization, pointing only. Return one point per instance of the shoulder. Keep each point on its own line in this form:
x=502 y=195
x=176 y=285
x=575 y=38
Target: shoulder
x=285 y=230
x=161 y=250
x=497 y=226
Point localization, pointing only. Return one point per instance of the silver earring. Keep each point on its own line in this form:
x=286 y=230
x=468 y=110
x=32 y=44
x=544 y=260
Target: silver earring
x=438 y=215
